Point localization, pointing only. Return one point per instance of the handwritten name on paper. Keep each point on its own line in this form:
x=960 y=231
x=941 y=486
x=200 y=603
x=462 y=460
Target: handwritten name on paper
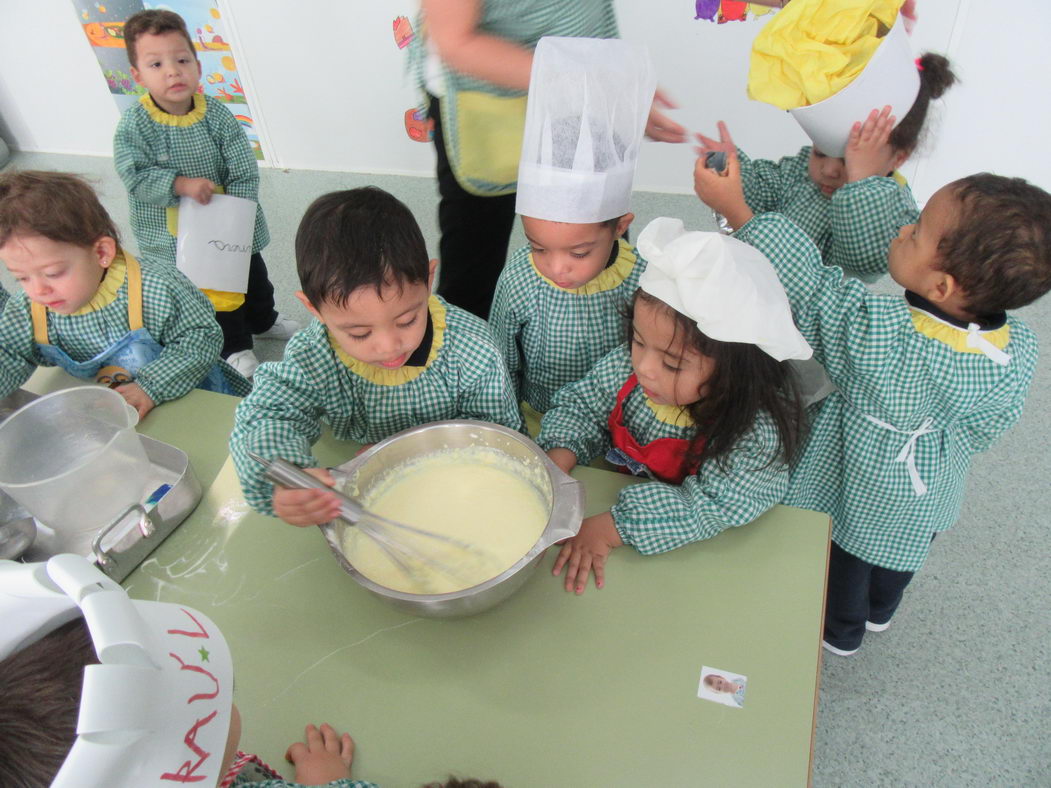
x=223 y=246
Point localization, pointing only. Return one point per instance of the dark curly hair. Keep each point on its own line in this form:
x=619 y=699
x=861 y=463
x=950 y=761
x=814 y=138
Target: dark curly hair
x=999 y=251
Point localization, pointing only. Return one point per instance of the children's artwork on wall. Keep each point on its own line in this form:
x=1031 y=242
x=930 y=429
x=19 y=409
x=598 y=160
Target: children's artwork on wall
x=103 y=24
x=403 y=33
x=722 y=11
x=419 y=127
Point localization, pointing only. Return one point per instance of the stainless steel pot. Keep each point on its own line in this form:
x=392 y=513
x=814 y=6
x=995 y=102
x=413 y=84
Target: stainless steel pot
x=564 y=494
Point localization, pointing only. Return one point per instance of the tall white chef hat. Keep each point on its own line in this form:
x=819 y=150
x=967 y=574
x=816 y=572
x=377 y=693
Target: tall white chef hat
x=589 y=99
x=726 y=286
x=156 y=710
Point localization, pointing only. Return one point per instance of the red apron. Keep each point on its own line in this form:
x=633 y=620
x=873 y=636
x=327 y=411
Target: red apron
x=665 y=458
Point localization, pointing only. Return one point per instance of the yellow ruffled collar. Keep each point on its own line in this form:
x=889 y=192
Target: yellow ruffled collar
x=110 y=285
x=158 y=115
x=382 y=376
x=674 y=415
x=609 y=278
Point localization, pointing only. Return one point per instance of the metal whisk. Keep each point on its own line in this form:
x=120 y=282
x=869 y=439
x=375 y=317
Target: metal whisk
x=376 y=527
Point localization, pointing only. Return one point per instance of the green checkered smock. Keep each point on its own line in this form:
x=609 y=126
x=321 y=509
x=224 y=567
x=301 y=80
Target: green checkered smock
x=551 y=336
x=174 y=312
x=152 y=147
x=853 y=228
x=290 y=400
x=912 y=370
x=656 y=517
x=4 y=297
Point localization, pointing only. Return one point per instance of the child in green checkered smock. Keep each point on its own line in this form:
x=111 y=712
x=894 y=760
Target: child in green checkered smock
x=925 y=381
x=560 y=301
x=383 y=355
x=700 y=401
x=176 y=142
x=93 y=309
x=850 y=207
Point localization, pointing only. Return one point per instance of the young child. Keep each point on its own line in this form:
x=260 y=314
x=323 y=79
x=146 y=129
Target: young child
x=560 y=301
x=701 y=401
x=925 y=381
x=382 y=355
x=177 y=142
x=94 y=310
x=850 y=207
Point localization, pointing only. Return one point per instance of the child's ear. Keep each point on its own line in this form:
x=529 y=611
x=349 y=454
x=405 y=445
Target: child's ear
x=306 y=302
x=105 y=249
x=900 y=157
x=944 y=288
x=432 y=268
x=136 y=75
x=623 y=224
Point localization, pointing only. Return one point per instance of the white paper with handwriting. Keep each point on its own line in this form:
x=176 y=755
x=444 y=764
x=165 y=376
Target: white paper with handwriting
x=214 y=243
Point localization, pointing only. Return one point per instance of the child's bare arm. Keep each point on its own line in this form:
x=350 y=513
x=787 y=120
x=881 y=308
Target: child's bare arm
x=453 y=27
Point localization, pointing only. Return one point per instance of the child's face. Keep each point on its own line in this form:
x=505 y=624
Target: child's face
x=717 y=683
x=382 y=329
x=827 y=172
x=913 y=257
x=669 y=372
x=168 y=68
x=571 y=255
x=61 y=276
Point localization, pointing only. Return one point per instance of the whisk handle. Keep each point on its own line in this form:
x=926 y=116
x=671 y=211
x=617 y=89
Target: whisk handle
x=288 y=474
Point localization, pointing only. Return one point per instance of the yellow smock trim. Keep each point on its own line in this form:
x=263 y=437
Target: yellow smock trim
x=954 y=336
x=674 y=415
x=158 y=115
x=109 y=286
x=382 y=376
x=899 y=178
x=607 y=279
x=223 y=301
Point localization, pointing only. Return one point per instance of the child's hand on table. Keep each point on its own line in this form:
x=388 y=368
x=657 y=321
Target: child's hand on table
x=322 y=757
x=307 y=507
x=587 y=552
x=869 y=151
x=200 y=189
x=137 y=398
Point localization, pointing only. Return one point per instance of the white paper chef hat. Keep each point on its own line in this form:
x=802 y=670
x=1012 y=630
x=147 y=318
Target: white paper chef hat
x=156 y=710
x=890 y=77
x=728 y=287
x=589 y=99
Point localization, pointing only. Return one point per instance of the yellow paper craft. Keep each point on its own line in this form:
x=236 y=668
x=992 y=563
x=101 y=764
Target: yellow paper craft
x=812 y=49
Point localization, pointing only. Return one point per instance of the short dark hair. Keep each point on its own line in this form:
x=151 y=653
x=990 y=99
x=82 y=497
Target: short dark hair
x=40 y=686
x=56 y=205
x=936 y=76
x=358 y=238
x=1000 y=248
x=154 y=22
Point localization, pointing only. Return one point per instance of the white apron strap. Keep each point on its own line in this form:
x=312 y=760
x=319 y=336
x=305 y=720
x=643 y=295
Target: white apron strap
x=978 y=342
x=907 y=454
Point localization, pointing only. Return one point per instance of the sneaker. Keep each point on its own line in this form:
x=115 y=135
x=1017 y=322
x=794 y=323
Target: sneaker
x=871 y=627
x=283 y=328
x=244 y=361
x=838 y=651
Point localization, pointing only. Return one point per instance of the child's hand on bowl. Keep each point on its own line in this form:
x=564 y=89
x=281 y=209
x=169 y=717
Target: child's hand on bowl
x=307 y=507
x=587 y=552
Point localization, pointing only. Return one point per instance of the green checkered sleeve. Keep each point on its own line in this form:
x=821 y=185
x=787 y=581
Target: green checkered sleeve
x=579 y=417
x=180 y=318
x=342 y=783
x=242 y=178
x=504 y=321
x=657 y=517
x=137 y=165
x=1002 y=407
x=765 y=182
x=866 y=216
x=18 y=353
x=485 y=390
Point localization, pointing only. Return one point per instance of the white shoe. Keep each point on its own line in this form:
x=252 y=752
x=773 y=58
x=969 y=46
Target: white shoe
x=838 y=651
x=283 y=328
x=244 y=361
x=876 y=627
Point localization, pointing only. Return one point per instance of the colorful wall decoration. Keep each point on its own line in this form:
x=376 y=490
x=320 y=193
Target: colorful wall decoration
x=103 y=24
x=722 y=11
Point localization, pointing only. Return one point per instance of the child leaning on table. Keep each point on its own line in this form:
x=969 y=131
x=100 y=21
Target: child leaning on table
x=382 y=355
x=91 y=308
x=177 y=142
x=701 y=400
x=925 y=381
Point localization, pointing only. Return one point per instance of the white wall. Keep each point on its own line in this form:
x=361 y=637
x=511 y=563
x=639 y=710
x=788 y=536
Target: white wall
x=328 y=88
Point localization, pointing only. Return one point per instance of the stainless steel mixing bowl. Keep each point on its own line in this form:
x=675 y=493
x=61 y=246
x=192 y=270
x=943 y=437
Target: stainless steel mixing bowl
x=565 y=494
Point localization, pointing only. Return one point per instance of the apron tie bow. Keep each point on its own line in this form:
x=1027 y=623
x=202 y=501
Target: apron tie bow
x=907 y=454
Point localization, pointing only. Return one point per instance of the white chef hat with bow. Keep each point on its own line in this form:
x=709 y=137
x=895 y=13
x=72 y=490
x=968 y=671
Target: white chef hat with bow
x=156 y=710
x=730 y=289
x=589 y=99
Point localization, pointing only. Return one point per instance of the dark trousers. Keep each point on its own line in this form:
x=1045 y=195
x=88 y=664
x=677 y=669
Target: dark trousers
x=475 y=233
x=254 y=316
x=858 y=592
